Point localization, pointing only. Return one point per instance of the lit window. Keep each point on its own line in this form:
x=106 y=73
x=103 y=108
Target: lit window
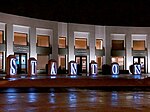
x=138 y=45
x=62 y=42
x=119 y=60
x=43 y=41
x=80 y=43
x=99 y=62
x=42 y=60
x=20 y=38
x=1 y=60
x=99 y=44
x=62 y=61
x=1 y=37
x=118 y=44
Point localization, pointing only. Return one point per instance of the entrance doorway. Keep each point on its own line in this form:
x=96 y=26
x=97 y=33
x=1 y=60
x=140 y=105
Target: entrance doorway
x=21 y=63
x=82 y=61
x=140 y=60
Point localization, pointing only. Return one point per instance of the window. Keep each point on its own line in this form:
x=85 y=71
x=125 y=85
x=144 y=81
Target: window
x=43 y=41
x=20 y=38
x=62 y=42
x=62 y=61
x=80 y=43
x=42 y=60
x=99 y=62
x=1 y=60
x=118 y=44
x=138 y=45
x=1 y=37
x=119 y=60
x=99 y=44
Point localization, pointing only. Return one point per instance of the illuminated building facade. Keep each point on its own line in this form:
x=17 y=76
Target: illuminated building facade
x=44 y=40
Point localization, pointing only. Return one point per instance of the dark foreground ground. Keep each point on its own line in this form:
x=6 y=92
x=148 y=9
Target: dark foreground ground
x=123 y=93
x=73 y=100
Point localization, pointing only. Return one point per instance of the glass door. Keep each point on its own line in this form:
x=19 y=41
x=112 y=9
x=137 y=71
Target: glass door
x=82 y=63
x=21 y=61
x=140 y=60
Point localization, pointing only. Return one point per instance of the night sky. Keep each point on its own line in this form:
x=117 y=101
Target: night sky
x=97 y=12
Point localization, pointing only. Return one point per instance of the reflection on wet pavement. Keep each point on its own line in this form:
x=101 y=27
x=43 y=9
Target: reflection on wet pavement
x=75 y=100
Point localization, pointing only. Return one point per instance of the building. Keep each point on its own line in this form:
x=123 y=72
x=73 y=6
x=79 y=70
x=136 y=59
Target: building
x=42 y=39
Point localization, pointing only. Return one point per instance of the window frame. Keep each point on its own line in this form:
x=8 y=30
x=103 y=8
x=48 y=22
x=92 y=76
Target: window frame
x=81 y=38
x=43 y=36
x=2 y=37
x=101 y=46
x=2 y=60
x=139 y=41
x=123 y=46
x=59 y=42
x=25 y=39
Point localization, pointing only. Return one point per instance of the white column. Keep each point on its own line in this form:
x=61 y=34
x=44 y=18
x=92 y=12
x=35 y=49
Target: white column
x=129 y=57
x=32 y=42
x=92 y=45
x=148 y=52
x=107 y=45
x=70 y=44
x=55 y=43
x=9 y=39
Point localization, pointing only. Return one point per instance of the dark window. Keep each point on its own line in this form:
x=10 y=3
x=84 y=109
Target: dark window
x=118 y=44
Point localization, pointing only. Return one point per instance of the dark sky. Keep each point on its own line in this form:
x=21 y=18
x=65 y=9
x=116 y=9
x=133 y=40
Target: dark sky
x=98 y=12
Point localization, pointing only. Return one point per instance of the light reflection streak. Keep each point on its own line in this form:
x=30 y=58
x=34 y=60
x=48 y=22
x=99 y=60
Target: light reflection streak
x=73 y=76
x=115 y=76
x=72 y=97
x=11 y=97
x=114 y=98
x=52 y=98
x=32 y=97
x=53 y=77
x=137 y=76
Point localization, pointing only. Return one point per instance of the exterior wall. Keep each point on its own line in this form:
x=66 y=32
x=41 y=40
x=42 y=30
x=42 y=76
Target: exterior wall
x=10 y=23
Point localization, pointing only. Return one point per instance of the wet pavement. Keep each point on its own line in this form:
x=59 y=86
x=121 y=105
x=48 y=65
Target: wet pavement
x=72 y=100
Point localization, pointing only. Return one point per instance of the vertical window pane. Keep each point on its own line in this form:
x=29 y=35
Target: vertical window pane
x=1 y=37
x=62 y=42
x=42 y=60
x=62 y=61
x=99 y=44
x=120 y=61
x=80 y=43
x=43 y=41
x=20 y=38
x=99 y=62
x=1 y=60
x=138 y=45
x=118 y=44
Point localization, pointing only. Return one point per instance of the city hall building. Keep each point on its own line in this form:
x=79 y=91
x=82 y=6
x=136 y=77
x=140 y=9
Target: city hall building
x=44 y=40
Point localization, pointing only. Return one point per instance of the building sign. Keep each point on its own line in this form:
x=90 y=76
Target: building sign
x=72 y=68
x=81 y=52
x=52 y=67
x=137 y=69
x=115 y=69
x=21 y=49
x=93 y=68
x=32 y=69
x=11 y=70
